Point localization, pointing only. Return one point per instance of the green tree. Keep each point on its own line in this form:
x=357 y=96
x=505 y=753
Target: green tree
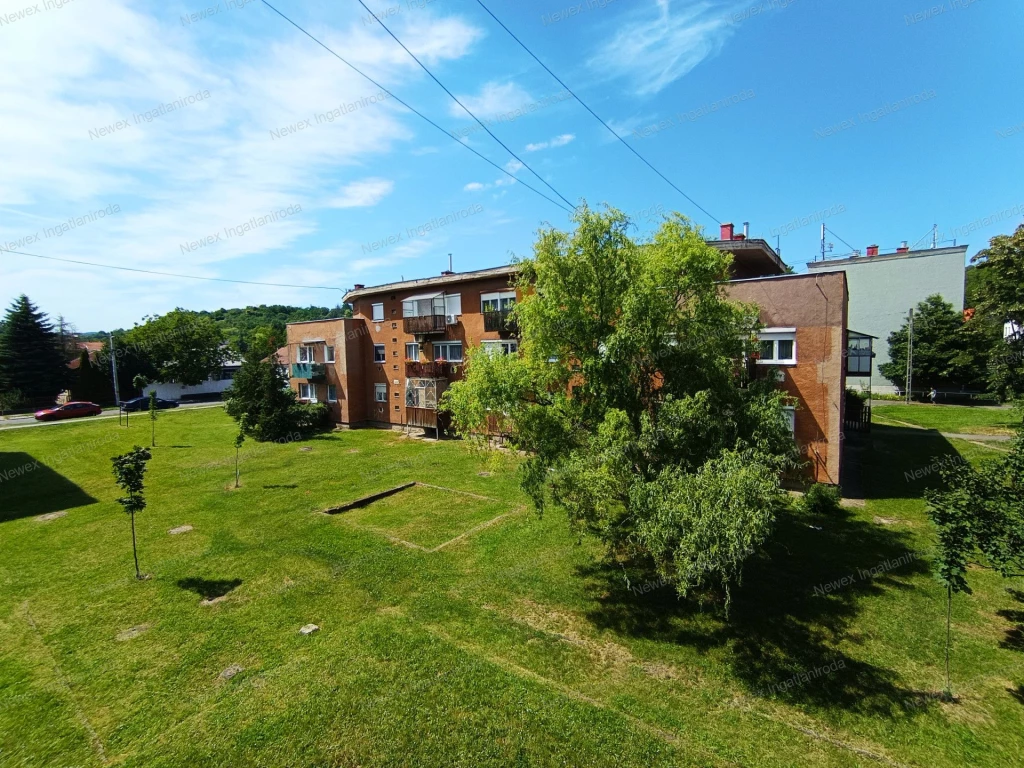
x=629 y=403
x=979 y=515
x=184 y=347
x=239 y=440
x=947 y=353
x=1000 y=300
x=259 y=394
x=88 y=382
x=30 y=357
x=9 y=399
x=129 y=472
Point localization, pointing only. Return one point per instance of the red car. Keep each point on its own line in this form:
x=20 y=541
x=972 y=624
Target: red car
x=68 y=411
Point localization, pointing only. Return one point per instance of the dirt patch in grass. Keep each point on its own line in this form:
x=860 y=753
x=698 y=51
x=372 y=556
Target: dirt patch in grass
x=51 y=516
x=131 y=632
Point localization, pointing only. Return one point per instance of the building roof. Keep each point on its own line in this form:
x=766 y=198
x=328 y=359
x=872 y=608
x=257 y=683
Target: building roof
x=430 y=282
x=751 y=257
x=832 y=263
x=282 y=355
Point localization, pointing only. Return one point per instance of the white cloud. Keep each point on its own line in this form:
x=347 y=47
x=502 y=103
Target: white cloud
x=655 y=49
x=494 y=99
x=558 y=141
x=513 y=166
x=195 y=170
x=363 y=194
x=474 y=186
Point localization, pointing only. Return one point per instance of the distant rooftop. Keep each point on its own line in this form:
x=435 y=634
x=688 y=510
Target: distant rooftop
x=872 y=257
x=445 y=278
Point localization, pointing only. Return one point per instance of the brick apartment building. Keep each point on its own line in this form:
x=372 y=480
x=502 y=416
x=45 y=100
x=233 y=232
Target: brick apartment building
x=389 y=363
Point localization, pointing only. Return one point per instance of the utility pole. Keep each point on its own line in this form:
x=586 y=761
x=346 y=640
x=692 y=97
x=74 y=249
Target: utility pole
x=822 y=242
x=935 y=236
x=113 y=367
x=910 y=356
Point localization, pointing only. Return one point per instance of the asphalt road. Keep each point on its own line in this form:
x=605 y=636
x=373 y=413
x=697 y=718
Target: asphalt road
x=24 y=421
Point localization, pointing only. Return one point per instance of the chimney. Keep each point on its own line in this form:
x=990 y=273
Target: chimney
x=746 y=229
x=740 y=237
x=727 y=230
x=358 y=287
x=872 y=250
x=903 y=247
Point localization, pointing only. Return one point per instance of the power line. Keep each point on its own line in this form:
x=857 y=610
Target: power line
x=464 y=107
x=596 y=116
x=172 y=274
x=852 y=249
x=412 y=109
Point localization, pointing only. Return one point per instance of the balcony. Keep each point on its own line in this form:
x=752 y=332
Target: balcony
x=435 y=370
x=421 y=417
x=309 y=371
x=500 y=321
x=425 y=324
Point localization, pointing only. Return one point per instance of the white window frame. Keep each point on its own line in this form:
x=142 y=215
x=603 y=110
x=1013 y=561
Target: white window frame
x=380 y=393
x=383 y=353
x=505 y=300
x=789 y=411
x=328 y=354
x=377 y=312
x=448 y=345
x=453 y=304
x=416 y=357
x=308 y=352
x=310 y=389
x=504 y=346
x=332 y=393
x=776 y=335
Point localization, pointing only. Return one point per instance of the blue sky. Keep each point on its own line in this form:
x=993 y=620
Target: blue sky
x=350 y=198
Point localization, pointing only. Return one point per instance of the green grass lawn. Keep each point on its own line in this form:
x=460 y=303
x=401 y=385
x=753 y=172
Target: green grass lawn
x=961 y=419
x=510 y=646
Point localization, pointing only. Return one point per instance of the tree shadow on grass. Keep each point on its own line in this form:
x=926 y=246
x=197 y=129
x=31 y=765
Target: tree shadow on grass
x=895 y=463
x=798 y=601
x=1017 y=693
x=28 y=487
x=209 y=589
x=1014 y=639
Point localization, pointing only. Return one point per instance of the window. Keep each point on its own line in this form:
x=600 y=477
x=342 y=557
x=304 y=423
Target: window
x=306 y=355
x=378 y=312
x=789 y=413
x=423 y=306
x=380 y=393
x=453 y=304
x=379 y=355
x=858 y=355
x=500 y=301
x=448 y=350
x=501 y=347
x=329 y=354
x=307 y=392
x=332 y=393
x=412 y=351
x=778 y=346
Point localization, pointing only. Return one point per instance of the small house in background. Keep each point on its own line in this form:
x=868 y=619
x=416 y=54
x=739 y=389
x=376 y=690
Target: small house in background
x=211 y=389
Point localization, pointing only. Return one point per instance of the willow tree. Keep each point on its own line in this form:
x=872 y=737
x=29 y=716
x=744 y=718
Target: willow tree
x=629 y=401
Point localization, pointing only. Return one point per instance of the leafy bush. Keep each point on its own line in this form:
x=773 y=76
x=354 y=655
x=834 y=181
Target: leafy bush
x=822 y=499
x=310 y=417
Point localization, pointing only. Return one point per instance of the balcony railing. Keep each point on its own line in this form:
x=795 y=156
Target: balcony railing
x=499 y=321
x=309 y=371
x=427 y=370
x=421 y=417
x=425 y=324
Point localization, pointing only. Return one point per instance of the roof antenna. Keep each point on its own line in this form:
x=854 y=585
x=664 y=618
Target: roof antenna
x=449 y=262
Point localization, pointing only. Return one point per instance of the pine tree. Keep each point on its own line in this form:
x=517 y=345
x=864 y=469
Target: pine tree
x=30 y=355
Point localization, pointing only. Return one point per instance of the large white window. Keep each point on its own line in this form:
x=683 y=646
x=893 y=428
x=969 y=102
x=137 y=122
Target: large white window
x=498 y=301
x=306 y=355
x=423 y=306
x=378 y=312
x=379 y=355
x=448 y=350
x=501 y=347
x=412 y=351
x=453 y=304
x=307 y=392
x=328 y=354
x=777 y=346
x=380 y=393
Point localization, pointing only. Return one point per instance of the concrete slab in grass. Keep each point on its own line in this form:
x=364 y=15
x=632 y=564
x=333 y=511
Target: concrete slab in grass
x=427 y=517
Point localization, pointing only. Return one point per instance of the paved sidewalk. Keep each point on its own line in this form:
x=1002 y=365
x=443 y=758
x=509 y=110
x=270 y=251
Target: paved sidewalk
x=26 y=422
